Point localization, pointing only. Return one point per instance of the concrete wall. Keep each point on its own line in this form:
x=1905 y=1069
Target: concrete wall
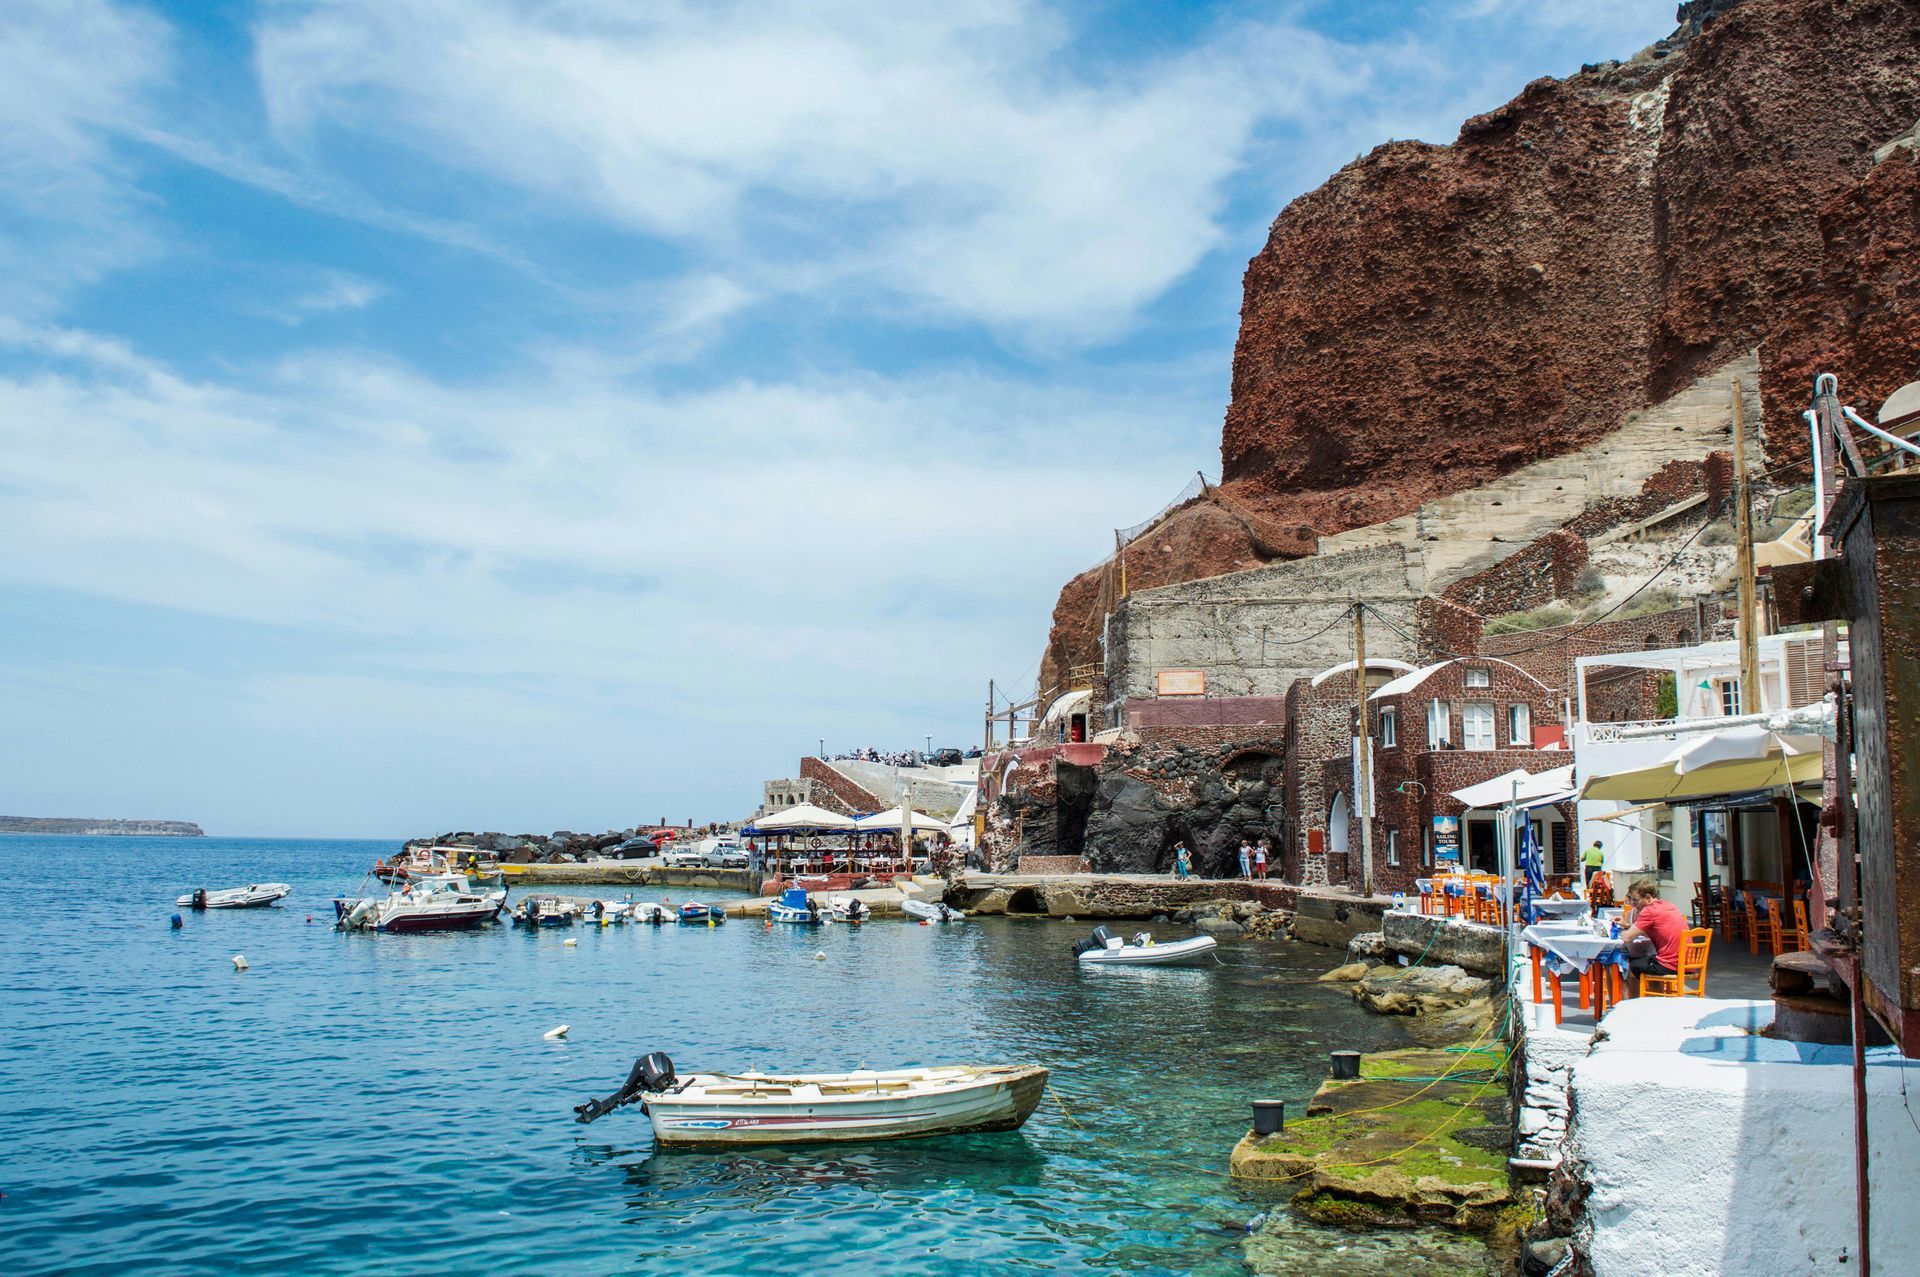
x=1255 y=632
x=1332 y=919
x=1708 y=1150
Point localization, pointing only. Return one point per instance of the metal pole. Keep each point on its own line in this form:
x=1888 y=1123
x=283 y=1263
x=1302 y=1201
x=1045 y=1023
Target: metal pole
x=1363 y=802
x=986 y=745
x=1750 y=692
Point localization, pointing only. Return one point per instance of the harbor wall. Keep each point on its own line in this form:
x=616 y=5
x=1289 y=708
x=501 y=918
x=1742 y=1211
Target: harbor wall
x=620 y=873
x=1095 y=896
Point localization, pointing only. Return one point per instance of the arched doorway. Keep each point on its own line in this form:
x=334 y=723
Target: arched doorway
x=1338 y=818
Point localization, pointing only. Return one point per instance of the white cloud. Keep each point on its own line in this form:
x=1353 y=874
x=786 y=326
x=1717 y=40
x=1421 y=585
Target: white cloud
x=71 y=72
x=950 y=158
x=335 y=291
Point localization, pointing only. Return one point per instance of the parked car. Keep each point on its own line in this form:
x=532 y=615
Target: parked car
x=634 y=849
x=947 y=758
x=728 y=855
x=685 y=858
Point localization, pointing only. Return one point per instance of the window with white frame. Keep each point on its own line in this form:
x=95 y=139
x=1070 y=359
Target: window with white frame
x=1730 y=696
x=1477 y=677
x=1476 y=723
x=1393 y=848
x=1439 y=724
x=1389 y=728
x=1520 y=725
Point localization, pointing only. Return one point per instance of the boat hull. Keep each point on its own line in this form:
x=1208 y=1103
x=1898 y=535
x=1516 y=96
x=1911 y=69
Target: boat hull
x=463 y=920
x=1003 y=1102
x=260 y=896
x=1177 y=953
x=930 y=912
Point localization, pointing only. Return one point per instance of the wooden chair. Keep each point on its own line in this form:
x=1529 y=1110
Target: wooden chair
x=1706 y=907
x=1733 y=920
x=1690 y=981
x=1787 y=934
x=1759 y=928
x=1429 y=903
x=1800 y=921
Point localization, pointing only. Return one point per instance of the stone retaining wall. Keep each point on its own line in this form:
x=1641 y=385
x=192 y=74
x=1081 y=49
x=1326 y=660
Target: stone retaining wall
x=1104 y=895
x=1447 y=941
x=1333 y=918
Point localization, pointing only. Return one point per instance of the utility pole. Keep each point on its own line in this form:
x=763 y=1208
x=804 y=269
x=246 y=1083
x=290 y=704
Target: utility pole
x=1363 y=749
x=986 y=745
x=1120 y=553
x=1748 y=626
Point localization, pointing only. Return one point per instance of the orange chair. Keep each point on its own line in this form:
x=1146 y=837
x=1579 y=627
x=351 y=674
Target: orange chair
x=1788 y=937
x=1800 y=920
x=1690 y=981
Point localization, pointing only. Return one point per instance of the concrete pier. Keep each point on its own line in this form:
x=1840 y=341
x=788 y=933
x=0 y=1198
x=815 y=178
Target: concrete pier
x=1105 y=895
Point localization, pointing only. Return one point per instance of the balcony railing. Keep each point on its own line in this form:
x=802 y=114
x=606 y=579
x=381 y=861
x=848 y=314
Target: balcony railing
x=1608 y=733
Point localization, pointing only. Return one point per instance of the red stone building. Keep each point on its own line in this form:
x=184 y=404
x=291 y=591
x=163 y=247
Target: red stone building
x=1433 y=730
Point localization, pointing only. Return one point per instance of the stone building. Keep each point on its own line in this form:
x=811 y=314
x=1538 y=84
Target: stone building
x=1434 y=730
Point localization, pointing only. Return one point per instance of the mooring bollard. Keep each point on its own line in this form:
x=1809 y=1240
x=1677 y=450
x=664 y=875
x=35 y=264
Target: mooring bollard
x=1269 y=1117
x=1346 y=1066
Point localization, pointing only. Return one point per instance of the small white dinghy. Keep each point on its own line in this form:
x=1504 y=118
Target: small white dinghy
x=931 y=911
x=256 y=895
x=1103 y=949
x=709 y=1109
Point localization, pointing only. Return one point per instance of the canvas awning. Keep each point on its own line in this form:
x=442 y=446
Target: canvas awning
x=1522 y=788
x=804 y=818
x=1738 y=760
x=889 y=821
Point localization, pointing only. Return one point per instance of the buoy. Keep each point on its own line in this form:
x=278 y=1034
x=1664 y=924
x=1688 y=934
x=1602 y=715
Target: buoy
x=309 y=920
x=926 y=922
x=569 y=943
x=556 y=1033
x=177 y=924
x=819 y=957
x=239 y=963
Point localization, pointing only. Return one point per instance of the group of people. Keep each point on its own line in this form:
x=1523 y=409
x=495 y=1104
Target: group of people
x=1253 y=860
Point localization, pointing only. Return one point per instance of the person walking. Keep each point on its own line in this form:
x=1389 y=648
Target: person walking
x=1182 y=861
x=1260 y=861
x=1246 y=859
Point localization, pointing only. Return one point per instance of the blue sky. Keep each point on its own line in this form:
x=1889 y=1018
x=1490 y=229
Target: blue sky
x=425 y=414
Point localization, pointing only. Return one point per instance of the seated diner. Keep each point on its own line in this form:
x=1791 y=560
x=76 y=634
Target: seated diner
x=1653 y=941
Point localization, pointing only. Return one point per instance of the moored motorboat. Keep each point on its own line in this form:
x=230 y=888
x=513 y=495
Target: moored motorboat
x=848 y=909
x=649 y=912
x=547 y=911
x=693 y=913
x=709 y=1109
x=255 y=895
x=930 y=910
x=1103 y=948
x=796 y=906
x=441 y=902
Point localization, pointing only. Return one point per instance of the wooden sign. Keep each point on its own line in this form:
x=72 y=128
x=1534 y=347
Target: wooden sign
x=1182 y=683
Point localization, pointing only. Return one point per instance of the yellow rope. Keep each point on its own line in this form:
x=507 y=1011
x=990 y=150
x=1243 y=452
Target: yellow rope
x=1407 y=1099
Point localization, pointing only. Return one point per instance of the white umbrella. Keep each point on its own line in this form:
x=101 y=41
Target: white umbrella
x=894 y=819
x=802 y=818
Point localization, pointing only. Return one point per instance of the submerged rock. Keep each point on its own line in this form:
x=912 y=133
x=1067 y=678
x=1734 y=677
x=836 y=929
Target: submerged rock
x=1419 y=990
x=1352 y=971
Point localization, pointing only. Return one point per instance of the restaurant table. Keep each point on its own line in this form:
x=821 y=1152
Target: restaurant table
x=1573 y=947
x=1549 y=907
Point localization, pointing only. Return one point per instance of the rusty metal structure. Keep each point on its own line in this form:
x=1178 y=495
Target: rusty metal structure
x=1867 y=868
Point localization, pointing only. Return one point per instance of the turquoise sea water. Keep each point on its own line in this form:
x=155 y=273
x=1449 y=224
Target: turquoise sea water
x=386 y=1104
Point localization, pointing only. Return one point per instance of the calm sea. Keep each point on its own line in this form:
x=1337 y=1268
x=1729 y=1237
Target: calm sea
x=386 y=1104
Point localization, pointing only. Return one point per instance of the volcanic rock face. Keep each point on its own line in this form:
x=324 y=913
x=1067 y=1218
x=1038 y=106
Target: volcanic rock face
x=1436 y=316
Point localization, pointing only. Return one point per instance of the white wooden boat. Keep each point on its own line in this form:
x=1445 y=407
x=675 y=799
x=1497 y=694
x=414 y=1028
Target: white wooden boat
x=256 y=895
x=718 y=1109
x=931 y=911
x=650 y=912
x=444 y=902
x=1103 y=949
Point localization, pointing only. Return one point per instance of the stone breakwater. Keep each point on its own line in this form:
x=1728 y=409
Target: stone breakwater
x=1110 y=895
x=523 y=849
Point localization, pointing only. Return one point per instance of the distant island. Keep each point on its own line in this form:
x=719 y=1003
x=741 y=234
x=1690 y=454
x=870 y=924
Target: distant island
x=81 y=825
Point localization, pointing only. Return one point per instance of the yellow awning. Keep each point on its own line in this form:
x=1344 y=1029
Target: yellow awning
x=1664 y=783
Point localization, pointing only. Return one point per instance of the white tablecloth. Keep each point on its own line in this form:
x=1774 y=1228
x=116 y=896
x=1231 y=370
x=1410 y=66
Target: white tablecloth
x=1572 y=949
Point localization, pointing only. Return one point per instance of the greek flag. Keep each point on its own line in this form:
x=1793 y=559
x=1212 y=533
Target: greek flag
x=1530 y=860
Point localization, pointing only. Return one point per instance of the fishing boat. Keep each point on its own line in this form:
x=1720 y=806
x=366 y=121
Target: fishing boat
x=718 y=1109
x=796 y=906
x=546 y=911
x=257 y=895
x=1105 y=949
x=848 y=909
x=443 y=902
x=930 y=910
x=693 y=913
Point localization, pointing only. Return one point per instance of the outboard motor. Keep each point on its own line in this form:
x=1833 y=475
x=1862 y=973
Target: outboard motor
x=651 y=1072
x=199 y=897
x=1098 y=940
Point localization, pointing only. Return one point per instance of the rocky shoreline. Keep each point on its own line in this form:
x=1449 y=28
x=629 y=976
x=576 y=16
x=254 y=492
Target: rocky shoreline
x=82 y=826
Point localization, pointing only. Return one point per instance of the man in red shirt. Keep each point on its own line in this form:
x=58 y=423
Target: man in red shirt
x=1659 y=925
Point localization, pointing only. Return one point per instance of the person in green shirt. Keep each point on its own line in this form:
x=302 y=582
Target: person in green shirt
x=1590 y=861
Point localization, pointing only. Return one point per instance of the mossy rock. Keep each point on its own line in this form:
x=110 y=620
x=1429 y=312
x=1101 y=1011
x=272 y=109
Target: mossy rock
x=1395 y=1145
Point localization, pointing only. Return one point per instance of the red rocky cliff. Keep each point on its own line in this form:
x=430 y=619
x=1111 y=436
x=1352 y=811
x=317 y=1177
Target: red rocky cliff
x=1433 y=317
